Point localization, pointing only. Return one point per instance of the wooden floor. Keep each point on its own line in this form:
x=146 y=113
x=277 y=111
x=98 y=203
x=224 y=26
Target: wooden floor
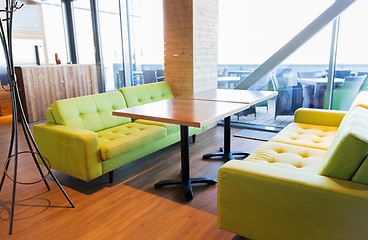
x=130 y=208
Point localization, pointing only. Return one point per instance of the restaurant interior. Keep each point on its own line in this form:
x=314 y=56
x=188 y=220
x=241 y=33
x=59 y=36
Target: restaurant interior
x=170 y=119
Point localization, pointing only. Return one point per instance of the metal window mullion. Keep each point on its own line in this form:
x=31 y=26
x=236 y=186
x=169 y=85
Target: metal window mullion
x=332 y=63
x=125 y=39
x=97 y=44
x=71 y=40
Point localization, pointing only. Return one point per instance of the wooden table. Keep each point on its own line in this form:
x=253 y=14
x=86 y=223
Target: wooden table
x=239 y=73
x=234 y=96
x=227 y=81
x=185 y=112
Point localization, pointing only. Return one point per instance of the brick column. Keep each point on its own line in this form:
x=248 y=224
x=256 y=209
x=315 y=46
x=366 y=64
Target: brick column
x=190 y=29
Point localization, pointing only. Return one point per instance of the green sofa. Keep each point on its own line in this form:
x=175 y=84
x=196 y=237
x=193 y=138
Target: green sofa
x=308 y=182
x=83 y=139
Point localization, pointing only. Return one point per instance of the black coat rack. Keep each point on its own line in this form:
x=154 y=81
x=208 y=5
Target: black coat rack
x=18 y=114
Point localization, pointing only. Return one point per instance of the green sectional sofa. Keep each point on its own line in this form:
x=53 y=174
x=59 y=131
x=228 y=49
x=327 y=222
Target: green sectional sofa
x=308 y=182
x=83 y=139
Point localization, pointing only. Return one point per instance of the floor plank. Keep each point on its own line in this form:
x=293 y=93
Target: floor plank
x=130 y=208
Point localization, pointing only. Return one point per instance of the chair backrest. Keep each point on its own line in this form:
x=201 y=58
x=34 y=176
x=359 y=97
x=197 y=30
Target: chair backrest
x=225 y=72
x=349 y=90
x=342 y=73
x=121 y=80
x=160 y=74
x=364 y=86
x=354 y=83
x=149 y=76
x=362 y=73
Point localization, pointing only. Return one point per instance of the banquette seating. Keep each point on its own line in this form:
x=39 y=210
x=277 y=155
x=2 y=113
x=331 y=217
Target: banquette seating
x=83 y=139
x=308 y=182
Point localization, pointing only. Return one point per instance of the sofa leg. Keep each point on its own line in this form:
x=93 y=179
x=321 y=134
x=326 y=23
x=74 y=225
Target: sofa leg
x=194 y=138
x=111 y=176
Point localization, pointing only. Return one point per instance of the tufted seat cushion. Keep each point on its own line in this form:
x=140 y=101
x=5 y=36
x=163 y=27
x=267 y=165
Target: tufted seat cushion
x=288 y=156
x=127 y=137
x=143 y=94
x=307 y=135
x=171 y=128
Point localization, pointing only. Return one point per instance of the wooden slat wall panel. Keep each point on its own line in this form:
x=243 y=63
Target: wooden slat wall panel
x=40 y=86
x=5 y=102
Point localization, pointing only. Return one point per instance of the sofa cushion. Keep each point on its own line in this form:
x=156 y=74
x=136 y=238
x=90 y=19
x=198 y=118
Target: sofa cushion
x=361 y=174
x=348 y=150
x=307 y=135
x=288 y=156
x=171 y=128
x=127 y=137
x=147 y=93
x=92 y=112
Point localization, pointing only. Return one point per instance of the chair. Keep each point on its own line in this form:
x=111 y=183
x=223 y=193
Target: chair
x=149 y=76
x=121 y=80
x=225 y=72
x=308 y=90
x=343 y=97
x=261 y=85
x=342 y=73
x=160 y=74
x=289 y=98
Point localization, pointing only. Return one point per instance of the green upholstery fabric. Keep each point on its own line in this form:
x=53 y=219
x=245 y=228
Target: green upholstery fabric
x=92 y=113
x=50 y=118
x=349 y=148
x=131 y=136
x=142 y=94
x=171 y=128
x=122 y=159
x=84 y=140
x=361 y=175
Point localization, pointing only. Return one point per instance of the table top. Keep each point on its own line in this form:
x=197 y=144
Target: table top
x=183 y=111
x=226 y=79
x=313 y=81
x=233 y=95
x=240 y=71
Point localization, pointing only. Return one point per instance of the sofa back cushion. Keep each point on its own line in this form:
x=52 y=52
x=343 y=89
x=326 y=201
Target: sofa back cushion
x=92 y=112
x=349 y=148
x=147 y=93
x=361 y=174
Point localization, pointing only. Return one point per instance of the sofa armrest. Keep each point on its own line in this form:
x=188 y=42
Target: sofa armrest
x=70 y=150
x=319 y=116
x=261 y=201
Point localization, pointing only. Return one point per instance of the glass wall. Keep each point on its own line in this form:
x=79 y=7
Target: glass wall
x=111 y=44
x=249 y=34
x=54 y=31
x=351 y=60
x=84 y=32
x=146 y=40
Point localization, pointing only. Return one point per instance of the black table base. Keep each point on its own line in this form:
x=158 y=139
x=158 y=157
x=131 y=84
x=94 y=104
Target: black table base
x=185 y=180
x=226 y=152
x=187 y=185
